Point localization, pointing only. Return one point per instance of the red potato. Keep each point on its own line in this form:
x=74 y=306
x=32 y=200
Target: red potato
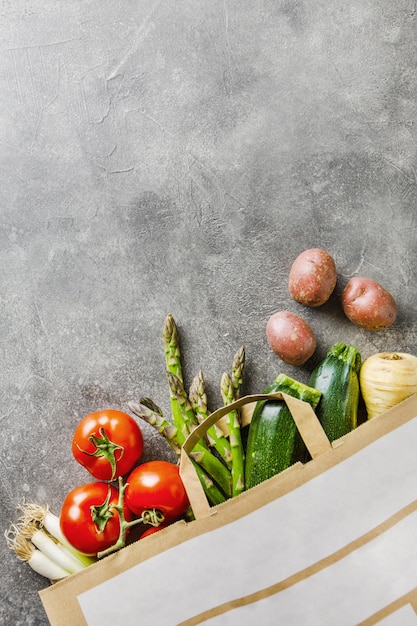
x=290 y=337
x=367 y=304
x=312 y=277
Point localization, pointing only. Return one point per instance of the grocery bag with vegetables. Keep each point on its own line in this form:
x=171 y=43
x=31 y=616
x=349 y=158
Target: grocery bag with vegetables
x=96 y=518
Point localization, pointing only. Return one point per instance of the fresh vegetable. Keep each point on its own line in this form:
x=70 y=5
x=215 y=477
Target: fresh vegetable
x=56 y=552
x=91 y=518
x=108 y=444
x=290 y=337
x=157 y=485
x=235 y=437
x=44 y=518
x=337 y=377
x=386 y=379
x=171 y=343
x=201 y=453
x=37 y=540
x=274 y=442
x=368 y=305
x=312 y=277
x=36 y=559
x=236 y=377
x=215 y=435
x=152 y=530
x=176 y=438
x=184 y=418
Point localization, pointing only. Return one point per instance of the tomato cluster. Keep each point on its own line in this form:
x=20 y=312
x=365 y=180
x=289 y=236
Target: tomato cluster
x=96 y=517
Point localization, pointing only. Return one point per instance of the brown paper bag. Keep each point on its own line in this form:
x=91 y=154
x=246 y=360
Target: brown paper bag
x=329 y=542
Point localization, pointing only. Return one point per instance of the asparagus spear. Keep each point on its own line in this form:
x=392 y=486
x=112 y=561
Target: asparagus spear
x=201 y=453
x=170 y=339
x=148 y=402
x=168 y=430
x=175 y=439
x=237 y=371
x=215 y=435
x=183 y=404
x=172 y=347
x=233 y=423
x=182 y=412
x=213 y=493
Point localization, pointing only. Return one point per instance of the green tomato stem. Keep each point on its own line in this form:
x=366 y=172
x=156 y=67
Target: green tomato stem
x=154 y=517
x=105 y=448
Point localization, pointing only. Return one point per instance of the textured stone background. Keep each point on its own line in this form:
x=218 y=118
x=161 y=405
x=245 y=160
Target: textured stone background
x=161 y=157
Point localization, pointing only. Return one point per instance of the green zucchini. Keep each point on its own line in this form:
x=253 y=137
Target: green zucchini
x=274 y=442
x=337 y=377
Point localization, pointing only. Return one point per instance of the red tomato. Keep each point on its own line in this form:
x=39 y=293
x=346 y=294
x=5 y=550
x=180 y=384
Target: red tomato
x=157 y=485
x=152 y=529
x=88 y=518
x=108 y=444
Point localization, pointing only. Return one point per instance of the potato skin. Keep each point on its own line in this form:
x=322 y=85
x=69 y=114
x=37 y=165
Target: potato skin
x=312 y=277
x=290 y=337
x=368 y=305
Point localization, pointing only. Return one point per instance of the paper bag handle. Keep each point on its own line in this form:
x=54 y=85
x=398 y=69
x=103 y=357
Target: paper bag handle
x=304 y=417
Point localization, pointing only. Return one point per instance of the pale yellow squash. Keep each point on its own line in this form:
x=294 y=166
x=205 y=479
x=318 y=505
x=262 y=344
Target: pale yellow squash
x=386 y=379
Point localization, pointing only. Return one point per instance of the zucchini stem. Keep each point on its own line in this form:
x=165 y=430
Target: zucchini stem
x=348 y=354
x=297 y=389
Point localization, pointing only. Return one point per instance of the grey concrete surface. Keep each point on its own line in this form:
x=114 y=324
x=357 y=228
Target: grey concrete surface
x=176 y=157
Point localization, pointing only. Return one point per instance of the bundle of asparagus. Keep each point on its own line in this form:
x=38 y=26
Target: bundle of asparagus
x=219 y=457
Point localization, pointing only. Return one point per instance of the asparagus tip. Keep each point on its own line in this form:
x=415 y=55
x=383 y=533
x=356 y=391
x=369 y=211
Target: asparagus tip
x=150 y=404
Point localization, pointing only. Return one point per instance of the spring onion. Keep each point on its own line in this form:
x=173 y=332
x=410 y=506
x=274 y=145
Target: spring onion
x=35 y=558
x=32 y=512
x=37 y=539
x=42 y=540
